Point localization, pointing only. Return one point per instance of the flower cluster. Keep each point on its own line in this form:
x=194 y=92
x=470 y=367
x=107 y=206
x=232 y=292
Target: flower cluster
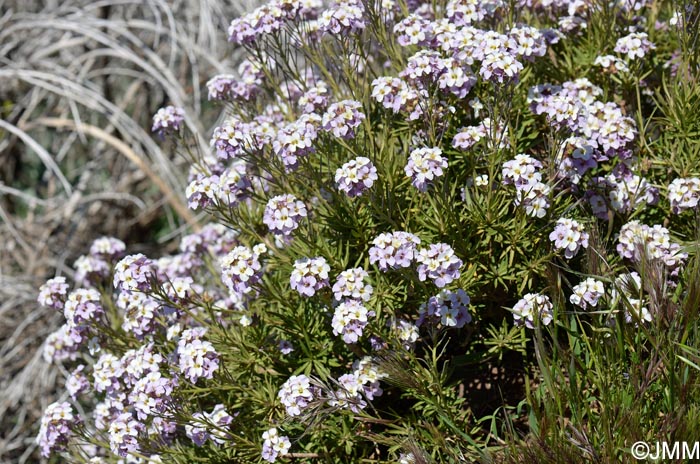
x=296 y=394
x=241 y=268
x=637 y=240
x=78 y=382
x=296 y=139
x=392 y=92
x=438 y=263
x=283 y=214
x=82 y=309
x=532 y=193
x=197 y=358
x=684 y=194
x=449 y=308
x=634 y=45
x=209 y=426
x=406 y=332
x=342 y=19
x=532 y=307
x=611 y=64
x=362 y=383
x=350 y=319
x=309 y=275
x=267 y=19
x=424 y=165
x=342 y=118
x=274 y=445
x=57 y=426
x=53 y=293
x=356 y=176
x=140 y=313
x=587 y=293
x=168 y=120
x=568 y=235
x=393 y=250
x=231 y=139
x=151 y=393
x=315 y=99
x=134 y=273
x=350 y=284
x=124 y=434
x=108 y=249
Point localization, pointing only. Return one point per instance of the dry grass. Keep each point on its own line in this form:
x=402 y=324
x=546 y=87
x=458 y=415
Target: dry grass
x=80 y=82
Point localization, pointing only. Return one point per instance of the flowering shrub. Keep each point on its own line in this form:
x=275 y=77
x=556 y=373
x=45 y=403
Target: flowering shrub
x=469 y=182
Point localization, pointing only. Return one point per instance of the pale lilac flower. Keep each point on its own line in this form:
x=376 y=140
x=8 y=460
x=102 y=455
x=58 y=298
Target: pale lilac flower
x=108 y=249
x=124 y=434
x=627 y=291
x=587 y=293
x=406 y=331
x=53 y=293
x=449 y=308
x=197 y=358
x=569 y=235
x=500 y=67
x=201 y=191
x=354 y=388
x=342 y=118
x=684 y=194
x=139 y=363
x=413 y=30
x=219 y=87
x=424 y=165
x=637 y=240
x=78 y=382
x=349 y=395
x=634 y=45
x=315 y=99
x=210 y=426
x=107 y=373
x=611 y=63
x=350 y=319
x=140 y=313
x=168 y=120
x=392 y=92
x=393 y=250
x=56 y=428
x=344 y=18
x=523 y=172
x=530 y=42
x=285 y=346
x=296 y=394
x=283 y=214
x=241 y=269
x=532 y=307
x=196 y=429
x=296 y=140
x=309 y=275
x=350 y=284
x=151 y=394
x=274 y=445
x=439 y=263
x=231 y=139
x=134 y=272
x=61 y=345
x=467 y=137
x=356 y=176
x=83 y=307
